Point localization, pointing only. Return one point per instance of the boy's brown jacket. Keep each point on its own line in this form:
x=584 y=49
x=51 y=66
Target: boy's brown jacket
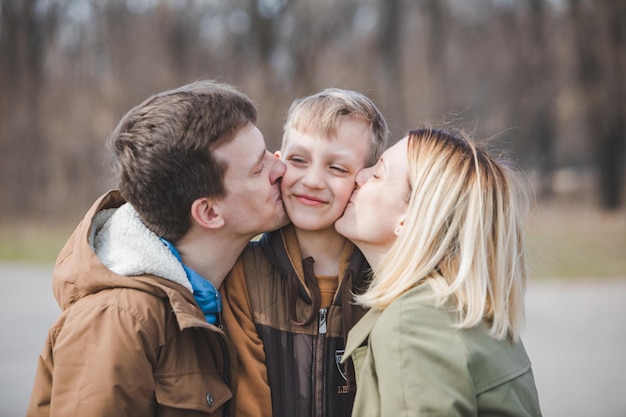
x=289 y=348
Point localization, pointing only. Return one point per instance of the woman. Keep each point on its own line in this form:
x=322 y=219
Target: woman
x=440 y=222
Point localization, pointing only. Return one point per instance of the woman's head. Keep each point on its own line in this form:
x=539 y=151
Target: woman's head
x=375 y=213
x=457 y=223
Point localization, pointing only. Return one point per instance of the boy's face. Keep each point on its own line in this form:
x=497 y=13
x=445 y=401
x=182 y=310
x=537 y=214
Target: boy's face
x=320 y=174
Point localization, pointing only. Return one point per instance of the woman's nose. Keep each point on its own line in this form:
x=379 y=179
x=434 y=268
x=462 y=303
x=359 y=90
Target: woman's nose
x=363 y=176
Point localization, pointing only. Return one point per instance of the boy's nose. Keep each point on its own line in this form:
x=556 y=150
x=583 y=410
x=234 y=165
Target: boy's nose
x=313 y=178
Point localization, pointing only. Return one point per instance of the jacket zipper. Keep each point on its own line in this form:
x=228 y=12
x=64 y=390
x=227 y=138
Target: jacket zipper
x=318 y=375
x=226 y=371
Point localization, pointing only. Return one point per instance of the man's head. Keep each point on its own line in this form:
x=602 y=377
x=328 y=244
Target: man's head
x=328 y=138
x=167 y=151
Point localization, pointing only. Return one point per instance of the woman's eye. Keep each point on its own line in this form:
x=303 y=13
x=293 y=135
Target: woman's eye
x=377 y=174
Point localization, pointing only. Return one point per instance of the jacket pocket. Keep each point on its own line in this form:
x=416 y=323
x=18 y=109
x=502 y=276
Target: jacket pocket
x=193 y=390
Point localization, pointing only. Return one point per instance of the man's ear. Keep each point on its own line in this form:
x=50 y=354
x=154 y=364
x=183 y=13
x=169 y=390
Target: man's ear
x=206 y=213
x=277 y=154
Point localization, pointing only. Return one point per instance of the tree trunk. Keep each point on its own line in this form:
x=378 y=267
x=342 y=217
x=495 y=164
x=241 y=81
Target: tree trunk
x=23 y=164
x=602 y=83
x=541 y=126
x=391 y=74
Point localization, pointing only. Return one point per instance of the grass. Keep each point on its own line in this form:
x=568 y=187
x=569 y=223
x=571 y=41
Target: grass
x=32 y=243
x=568 y=238
x=573 y=238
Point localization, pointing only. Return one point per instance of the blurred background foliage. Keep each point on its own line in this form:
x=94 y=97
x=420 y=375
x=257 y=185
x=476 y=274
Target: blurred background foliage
x=543 y=80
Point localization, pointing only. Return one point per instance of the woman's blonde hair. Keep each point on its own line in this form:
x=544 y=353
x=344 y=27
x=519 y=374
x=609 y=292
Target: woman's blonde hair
x=463 y=234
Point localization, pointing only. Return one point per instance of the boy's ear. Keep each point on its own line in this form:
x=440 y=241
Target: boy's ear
x=277 y=154
x=207 y=213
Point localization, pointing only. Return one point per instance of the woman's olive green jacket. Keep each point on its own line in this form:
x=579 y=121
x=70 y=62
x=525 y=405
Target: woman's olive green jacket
x=411 y=361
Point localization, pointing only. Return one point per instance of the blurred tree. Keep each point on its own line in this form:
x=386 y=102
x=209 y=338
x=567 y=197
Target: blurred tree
x=24 y=34
x=390 y=52
x=70 y=68
x=436 y=52
x=541 y=95
x=600 y=38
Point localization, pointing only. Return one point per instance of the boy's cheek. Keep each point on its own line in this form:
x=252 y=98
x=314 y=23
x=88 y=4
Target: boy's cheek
x=286 y=182
x=283 y=187
x=346 y=192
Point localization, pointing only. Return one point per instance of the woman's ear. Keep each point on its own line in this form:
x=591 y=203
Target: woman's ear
x=277 y=154
x=206 y=212
x=399 y=225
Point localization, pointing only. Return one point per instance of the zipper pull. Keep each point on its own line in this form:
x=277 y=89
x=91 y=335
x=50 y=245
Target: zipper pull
x=322 y=329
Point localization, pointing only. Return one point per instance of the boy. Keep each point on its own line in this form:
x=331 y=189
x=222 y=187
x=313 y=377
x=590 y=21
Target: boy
x=288 y=297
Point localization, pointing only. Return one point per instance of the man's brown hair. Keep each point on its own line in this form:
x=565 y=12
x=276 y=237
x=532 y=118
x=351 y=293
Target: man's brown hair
x=164 y=151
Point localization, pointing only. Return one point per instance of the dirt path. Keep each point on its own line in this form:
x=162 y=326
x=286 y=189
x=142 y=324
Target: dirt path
x=575 y=336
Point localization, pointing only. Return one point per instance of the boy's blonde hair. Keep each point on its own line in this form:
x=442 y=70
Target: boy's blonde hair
x=463 y=234
x=322 y=113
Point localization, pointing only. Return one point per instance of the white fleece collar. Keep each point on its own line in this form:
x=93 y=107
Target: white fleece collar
x=127 y=247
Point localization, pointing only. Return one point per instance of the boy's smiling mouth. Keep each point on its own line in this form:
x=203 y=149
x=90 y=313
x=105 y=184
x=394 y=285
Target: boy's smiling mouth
x=309 y=200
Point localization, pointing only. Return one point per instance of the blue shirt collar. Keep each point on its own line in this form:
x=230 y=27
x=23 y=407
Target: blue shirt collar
x=205 y=293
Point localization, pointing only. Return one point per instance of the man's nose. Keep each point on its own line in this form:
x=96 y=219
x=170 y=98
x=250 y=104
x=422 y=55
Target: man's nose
x=277 y=170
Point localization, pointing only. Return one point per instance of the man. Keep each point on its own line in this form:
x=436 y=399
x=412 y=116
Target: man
x=138 y=280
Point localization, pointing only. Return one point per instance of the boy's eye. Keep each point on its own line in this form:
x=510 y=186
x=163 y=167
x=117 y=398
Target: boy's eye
x=339 y=169
x=297 y=160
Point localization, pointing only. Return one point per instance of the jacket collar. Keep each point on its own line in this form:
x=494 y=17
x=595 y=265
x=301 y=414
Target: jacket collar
x=79 y=272
x=282 y=250
x=127 y=247
x=361 y=331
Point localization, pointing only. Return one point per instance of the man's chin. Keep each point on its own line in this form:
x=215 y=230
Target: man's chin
x=284 y=222
x=281 y=221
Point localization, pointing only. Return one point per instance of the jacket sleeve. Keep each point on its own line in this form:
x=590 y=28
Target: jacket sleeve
x=421 y=365
x=98 y=363
x=253 y=397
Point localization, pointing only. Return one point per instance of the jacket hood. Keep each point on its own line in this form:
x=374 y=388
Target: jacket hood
x=112 y=248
